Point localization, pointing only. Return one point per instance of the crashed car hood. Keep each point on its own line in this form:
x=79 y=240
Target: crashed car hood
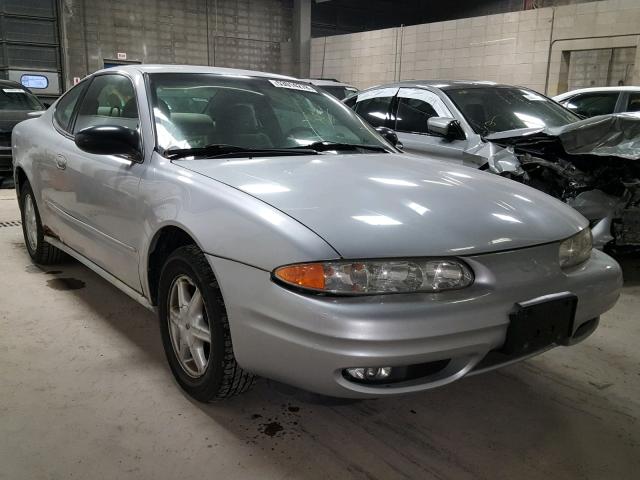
x=396 y=205
x=616 y=135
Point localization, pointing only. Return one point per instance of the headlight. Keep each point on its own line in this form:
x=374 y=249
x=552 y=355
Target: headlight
x=577 y=249
x=377 y=276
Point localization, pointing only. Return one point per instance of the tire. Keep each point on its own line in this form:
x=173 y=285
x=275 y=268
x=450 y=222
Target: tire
x=40 y=251
x=183 y=329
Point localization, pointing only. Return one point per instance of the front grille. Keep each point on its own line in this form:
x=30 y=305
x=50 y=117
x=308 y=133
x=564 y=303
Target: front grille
x=6 y=163
x=5 y=139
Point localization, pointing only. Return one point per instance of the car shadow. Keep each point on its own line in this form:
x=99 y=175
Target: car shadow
x=525 y=421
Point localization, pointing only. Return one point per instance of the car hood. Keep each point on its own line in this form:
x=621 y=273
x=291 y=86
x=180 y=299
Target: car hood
x=615 y=135
x=10 y=118
x=397 y=205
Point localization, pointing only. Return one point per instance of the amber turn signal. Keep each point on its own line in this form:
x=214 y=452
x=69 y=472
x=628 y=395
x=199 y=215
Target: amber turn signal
x=306 y=275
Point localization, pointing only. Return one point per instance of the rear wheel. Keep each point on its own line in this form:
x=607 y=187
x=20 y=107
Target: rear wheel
x=195 y=329
x=40 y=250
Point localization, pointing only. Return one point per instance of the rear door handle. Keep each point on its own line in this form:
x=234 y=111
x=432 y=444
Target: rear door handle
x=61 y=162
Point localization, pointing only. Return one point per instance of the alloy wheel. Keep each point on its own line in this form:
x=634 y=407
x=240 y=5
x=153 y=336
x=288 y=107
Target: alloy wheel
x=189 y=327
x=31 y=222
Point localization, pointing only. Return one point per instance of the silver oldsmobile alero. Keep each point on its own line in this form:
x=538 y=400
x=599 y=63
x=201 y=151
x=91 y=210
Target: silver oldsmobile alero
x=277 y=234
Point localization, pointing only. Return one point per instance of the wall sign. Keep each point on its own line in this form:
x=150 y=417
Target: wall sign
x=34 y=81
x=122 y=55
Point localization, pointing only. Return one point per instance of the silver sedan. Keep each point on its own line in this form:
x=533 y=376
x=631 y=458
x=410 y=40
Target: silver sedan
x=277 y=234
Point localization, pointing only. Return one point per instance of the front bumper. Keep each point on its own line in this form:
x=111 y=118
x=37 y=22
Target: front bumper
x=307 y=340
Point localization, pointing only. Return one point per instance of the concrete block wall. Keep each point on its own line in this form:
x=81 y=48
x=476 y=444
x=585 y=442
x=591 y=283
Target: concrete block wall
x=357 y=58
x=523 y=48
x=623 y=60
x=588 y=26
x=229 y=33
x=602 y=67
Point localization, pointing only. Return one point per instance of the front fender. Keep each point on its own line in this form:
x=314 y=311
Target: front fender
x=224 y=221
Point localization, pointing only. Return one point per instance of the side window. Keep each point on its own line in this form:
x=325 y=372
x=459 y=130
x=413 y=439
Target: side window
x=375 y=110
x=634 y=102
x=592 y=104
x=66 y=105
x=351 y=102
x=413 y=114
x=415 y=107
x=110 y=100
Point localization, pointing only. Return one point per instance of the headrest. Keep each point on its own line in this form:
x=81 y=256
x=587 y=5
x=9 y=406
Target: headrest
x=242 y=118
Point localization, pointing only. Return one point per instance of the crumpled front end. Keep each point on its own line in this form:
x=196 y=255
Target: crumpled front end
x=592 y=165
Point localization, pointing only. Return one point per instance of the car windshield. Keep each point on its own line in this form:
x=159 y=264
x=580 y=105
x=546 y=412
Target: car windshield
x=339 y=91
x=17 y=98
x=498 y=109
x=193 y=111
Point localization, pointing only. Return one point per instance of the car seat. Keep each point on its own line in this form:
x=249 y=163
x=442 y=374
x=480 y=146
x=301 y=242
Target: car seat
x=238 y=125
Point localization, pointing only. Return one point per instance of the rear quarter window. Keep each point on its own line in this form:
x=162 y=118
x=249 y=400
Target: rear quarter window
x=66 y=105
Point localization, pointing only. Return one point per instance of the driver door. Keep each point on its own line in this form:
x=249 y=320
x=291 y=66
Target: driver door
x=101 y=206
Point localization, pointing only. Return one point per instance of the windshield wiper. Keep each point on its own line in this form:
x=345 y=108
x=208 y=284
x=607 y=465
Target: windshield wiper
x=224 y=150
x=324 y=146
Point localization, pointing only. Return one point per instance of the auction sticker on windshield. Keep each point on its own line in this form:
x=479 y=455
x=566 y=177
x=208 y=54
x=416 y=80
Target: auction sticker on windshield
x=293 y=85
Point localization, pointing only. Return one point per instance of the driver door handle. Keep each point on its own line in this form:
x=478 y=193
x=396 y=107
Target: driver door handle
x=61 y=162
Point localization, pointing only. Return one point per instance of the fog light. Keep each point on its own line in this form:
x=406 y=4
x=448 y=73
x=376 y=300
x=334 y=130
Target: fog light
x=369 y=373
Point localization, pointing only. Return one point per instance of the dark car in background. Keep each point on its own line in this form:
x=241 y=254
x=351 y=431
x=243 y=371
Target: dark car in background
x=16 y=104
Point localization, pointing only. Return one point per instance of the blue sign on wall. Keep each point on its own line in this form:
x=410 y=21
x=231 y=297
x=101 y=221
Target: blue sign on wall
x=34 y=81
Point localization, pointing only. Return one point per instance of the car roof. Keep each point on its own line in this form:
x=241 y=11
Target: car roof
x=598 y=89
x=153 y=68
x=445 y=84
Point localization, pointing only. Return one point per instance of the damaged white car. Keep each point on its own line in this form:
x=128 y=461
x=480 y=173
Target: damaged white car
x=593 y=164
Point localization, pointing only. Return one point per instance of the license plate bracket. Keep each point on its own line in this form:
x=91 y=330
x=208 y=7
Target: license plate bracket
x=539 y=323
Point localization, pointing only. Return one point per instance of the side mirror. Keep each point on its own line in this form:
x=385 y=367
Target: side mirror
x=109 y=140
x=390 y=136
x=445 y=127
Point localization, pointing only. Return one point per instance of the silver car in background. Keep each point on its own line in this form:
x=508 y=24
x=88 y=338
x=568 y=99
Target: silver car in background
x=593 y=101
x=277 y=234
x=591 y=164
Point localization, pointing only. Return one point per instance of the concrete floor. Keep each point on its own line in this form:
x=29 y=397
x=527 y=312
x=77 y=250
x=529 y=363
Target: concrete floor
x=86 y=393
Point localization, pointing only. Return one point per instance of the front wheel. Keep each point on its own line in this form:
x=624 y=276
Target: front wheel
x=39 y=249
x=195 y=329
